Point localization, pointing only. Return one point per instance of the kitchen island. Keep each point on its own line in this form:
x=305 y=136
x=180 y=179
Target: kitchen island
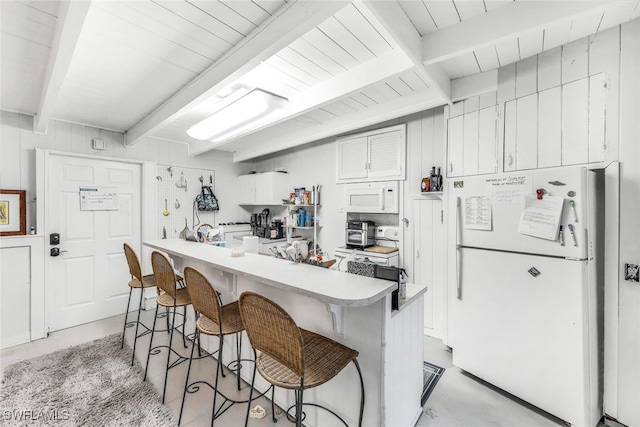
x=351 y=309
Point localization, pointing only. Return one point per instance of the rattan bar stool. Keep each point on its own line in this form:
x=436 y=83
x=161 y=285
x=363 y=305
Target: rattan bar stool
x=292 y=357
x=138 y=281
x=218 y=320
x=170 y=296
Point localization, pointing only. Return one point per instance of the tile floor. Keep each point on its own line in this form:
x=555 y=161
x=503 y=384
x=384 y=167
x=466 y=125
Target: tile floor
x=458 y=399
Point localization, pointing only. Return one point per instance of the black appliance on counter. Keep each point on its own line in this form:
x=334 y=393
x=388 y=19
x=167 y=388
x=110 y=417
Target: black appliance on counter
x=276 y=231
x=262 y=226
x=254 y=224
x=360 y=234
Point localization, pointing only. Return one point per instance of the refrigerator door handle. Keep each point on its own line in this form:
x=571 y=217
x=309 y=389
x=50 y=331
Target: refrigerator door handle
x=458 y=246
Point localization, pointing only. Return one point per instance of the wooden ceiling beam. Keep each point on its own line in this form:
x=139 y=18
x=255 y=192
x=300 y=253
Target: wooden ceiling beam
x=71 y=17
x=392 y=109
x=290 y=22
x=329 y=91
x=500 y=24
x=406 y=38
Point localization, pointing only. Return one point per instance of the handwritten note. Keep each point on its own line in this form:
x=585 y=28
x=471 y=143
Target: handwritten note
x=509 y=189
x=477 y=213
x=541 y=218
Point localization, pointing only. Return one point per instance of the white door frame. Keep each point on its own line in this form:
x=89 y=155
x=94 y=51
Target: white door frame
x=147 y=191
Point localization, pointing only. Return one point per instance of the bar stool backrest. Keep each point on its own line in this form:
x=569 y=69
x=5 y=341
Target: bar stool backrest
x=272 y=331
x=134 y=262
x=164 y=274
x=203 y=297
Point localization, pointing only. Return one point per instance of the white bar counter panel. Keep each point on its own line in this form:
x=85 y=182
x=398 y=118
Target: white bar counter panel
x=354 y=310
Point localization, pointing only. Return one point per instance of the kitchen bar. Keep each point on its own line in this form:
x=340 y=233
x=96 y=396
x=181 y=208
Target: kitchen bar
x=351 y=309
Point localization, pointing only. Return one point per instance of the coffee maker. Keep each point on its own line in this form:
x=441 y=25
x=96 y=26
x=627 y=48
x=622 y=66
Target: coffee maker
x=262 y=228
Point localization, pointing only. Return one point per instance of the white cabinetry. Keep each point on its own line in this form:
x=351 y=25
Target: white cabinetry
x=472 y=142
x=22 y=289
x=267 y=188
x=560 y=126
x=377 y=155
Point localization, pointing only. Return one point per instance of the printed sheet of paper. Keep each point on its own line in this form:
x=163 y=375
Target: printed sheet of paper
x=541 y=218
x=98 y=199
x=477 y=213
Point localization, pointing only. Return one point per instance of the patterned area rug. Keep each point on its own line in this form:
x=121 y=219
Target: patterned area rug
x=92 y=384
x=430 y=374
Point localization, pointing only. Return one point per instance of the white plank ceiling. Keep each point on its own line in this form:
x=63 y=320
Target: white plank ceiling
x=148 y=68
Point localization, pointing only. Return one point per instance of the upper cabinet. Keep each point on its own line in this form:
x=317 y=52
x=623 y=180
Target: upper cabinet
x=377 y=155
x=472 y=137
x=558 y=108
x=266 y=188
x=559 y=126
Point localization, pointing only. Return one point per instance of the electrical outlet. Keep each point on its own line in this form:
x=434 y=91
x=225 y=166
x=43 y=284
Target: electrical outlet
x=631 y=272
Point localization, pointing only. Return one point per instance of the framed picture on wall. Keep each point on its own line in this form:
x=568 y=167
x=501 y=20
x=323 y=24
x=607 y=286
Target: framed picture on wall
x=13 y=212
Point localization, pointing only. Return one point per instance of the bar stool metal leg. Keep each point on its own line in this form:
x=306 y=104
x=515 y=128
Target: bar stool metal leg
x=126 y=316
x=135 y=337
x=146 y=369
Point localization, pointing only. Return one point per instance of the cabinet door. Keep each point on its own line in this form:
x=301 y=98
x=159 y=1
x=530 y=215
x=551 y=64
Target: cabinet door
x=575 y=119
x=247 y=189
x=386 y=155
x=510 y=136
x=455 y=146
x=550 y=127
x=15 y=311
x=487 y=140
x=470 y=144
x=597 y=93
x=352 y=158
x=271 y=188
x=527 y=132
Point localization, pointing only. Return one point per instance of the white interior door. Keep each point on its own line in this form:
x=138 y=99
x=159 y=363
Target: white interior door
x=88 y=281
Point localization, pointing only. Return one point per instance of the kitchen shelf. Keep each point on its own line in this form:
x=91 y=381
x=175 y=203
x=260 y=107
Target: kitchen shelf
x=292 y=205
x=431 y=194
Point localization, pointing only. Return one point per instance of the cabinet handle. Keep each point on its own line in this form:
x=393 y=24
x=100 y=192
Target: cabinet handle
x=510 y=160
x=450 y=167
x=417 y=253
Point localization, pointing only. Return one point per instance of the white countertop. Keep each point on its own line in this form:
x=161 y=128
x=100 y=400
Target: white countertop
x=323 y=284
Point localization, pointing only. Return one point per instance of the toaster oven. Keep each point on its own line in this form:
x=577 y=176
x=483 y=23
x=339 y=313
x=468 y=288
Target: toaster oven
x=360 y=234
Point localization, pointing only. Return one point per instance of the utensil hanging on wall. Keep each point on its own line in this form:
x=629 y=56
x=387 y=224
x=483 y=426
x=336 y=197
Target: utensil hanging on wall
x=165 y=212
x=177 y=204
x=185 y=230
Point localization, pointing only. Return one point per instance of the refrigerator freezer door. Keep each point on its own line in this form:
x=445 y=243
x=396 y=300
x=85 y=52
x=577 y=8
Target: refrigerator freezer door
x=504 y=194
x=522 y=324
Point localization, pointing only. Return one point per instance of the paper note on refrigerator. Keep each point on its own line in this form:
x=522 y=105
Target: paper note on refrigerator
x=477 y=213
x=541 y=217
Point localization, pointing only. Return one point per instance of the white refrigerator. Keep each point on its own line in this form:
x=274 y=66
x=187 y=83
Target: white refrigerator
x=527 y=311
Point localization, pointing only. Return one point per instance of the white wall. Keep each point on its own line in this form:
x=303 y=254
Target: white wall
x=17 y=158
x=628 y=337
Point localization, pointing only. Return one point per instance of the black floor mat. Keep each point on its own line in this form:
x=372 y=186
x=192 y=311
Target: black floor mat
x=431 y=375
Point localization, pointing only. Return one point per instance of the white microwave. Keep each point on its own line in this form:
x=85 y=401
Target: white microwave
x=371 y=197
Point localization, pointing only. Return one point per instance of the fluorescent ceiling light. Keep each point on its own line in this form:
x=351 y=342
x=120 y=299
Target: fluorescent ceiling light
x=245 y=112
